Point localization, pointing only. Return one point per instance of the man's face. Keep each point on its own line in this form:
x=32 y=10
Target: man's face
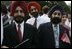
x=34 y=11
x=18 y=12
x=56 y=17
x=19 y=15
x=56 y=13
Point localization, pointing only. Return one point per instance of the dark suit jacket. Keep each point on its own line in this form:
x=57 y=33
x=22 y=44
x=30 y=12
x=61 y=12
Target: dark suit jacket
x=5 y=18
x=11 y=40
x=46 y=36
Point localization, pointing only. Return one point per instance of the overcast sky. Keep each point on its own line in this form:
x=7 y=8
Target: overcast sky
x=67 y=2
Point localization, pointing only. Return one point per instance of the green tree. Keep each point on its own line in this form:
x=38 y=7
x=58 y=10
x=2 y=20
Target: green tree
x=67 y=8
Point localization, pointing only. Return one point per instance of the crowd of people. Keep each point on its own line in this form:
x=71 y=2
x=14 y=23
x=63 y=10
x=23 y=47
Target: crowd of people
x=28 y=25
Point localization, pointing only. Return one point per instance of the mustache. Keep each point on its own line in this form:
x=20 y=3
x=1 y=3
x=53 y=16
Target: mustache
x=19 y=16
x=19 y=19
x=56 y=20
x=35 y=14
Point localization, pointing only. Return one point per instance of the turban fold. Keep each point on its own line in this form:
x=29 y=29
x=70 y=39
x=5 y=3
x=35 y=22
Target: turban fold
x=15 y=4
x=35 y=4
x=54 y=8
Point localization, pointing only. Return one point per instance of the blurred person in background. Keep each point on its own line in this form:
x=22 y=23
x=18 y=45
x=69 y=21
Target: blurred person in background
x=44 y=17
x=64 y=20
x=4 y=13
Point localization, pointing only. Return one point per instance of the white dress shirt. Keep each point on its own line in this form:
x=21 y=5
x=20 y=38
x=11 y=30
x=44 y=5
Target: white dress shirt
x=40 y=20
x=21 y=28
x=32 y=20
x=44 y=18
x=56 y=35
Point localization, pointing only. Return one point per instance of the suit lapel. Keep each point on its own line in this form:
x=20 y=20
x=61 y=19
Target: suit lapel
x=52 y=33
x=25 y=32
x=15 y=32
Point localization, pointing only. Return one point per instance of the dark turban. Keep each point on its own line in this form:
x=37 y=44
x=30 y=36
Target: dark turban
x=54 y=8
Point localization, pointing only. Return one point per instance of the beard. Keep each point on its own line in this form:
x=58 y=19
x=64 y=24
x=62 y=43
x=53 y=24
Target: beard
x=55 y=20
x=19 y=19
x=35 y=14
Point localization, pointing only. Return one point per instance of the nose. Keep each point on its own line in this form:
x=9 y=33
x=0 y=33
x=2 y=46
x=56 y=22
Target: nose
x=19 y=13
x=56 y=15
x=34 y=10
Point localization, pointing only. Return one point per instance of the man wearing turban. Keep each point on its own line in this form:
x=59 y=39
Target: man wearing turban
x=52 y=34
x=34 y=8
x=19 y=34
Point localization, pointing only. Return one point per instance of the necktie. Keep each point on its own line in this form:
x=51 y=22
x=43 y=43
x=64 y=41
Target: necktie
x=35 y=23
x=56 y=34
x=19 y=33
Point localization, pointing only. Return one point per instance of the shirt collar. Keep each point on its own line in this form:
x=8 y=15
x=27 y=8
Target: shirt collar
x=17 y=23
x=55 y=24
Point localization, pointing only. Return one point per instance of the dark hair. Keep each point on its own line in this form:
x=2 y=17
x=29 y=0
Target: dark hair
x=45 y=9
x=64 y=13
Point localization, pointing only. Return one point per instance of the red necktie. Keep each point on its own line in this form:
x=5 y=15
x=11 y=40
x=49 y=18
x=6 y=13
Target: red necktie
x=19 y=33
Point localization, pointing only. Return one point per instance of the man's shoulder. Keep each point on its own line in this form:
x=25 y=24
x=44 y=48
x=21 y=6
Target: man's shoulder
x=31 y=18
x=48 y=23
x=7 y=26
x=45 y=24
x=45 y=18
x=29 y=26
